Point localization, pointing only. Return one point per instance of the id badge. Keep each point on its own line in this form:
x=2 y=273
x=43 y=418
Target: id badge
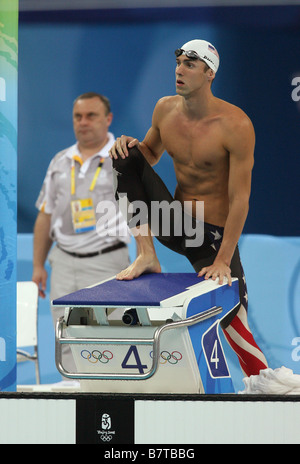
x=83 y=215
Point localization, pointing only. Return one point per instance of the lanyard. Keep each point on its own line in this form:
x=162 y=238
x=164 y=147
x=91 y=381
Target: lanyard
x=97 y=173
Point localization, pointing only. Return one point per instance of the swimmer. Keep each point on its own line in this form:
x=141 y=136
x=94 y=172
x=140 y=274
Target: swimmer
x=211 y=143
x=212 y=154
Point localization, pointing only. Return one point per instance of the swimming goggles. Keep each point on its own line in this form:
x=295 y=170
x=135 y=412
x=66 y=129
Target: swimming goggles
x=189 y=53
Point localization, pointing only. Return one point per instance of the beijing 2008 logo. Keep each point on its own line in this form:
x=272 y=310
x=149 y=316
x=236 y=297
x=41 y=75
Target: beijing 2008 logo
x=106 y=434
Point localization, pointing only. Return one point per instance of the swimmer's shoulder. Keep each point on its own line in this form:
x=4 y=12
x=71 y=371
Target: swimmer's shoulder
x=233 y=117
x=166 y=105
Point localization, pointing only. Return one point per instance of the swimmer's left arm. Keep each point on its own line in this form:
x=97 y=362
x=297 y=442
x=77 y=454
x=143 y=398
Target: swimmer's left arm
x=240 y=145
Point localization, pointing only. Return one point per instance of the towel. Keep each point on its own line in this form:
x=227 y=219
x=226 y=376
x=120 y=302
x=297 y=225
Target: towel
x=280 y=381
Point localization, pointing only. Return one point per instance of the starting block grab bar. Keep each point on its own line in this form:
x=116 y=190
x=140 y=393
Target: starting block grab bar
x=154 y=342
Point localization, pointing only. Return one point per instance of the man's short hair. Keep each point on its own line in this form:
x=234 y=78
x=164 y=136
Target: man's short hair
x=88 y=95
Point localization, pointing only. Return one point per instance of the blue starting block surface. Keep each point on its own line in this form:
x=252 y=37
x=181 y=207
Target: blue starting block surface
x=148 y=290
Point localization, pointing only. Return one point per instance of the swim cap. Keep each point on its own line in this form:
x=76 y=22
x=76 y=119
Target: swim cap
x=206 y=51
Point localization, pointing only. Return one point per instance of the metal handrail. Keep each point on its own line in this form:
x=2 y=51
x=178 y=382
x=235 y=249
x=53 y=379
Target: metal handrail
x=155 y=342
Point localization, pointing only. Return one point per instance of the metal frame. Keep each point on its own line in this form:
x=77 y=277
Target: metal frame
x=154 y=342
x=23 y=356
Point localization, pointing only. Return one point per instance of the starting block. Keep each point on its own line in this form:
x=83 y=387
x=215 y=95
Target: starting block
x=166 y=338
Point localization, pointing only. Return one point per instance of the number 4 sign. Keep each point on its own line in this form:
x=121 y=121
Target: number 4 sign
x=133 y=351
x=214 y=353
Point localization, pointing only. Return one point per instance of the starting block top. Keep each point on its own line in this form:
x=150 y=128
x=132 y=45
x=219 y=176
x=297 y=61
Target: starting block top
x=147 y=291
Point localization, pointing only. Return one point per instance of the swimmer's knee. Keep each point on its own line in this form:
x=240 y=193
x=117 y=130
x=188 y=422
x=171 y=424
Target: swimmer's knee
x=132 y=162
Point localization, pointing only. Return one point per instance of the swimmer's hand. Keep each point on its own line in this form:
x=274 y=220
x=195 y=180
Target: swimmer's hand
x=219 y=270
x=121 y=145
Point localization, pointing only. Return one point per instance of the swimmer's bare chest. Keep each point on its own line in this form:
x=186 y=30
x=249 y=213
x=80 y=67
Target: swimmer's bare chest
x=200 y=160
x=201 y=163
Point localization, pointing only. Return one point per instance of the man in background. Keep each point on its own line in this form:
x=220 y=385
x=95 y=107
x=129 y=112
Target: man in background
x=78 y=212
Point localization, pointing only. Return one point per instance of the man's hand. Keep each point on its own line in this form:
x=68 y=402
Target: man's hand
x=218 y=269
x=40 y=276
x=121 y=145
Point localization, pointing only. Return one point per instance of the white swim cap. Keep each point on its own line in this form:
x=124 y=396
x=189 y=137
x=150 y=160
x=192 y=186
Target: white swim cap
x=206 y=52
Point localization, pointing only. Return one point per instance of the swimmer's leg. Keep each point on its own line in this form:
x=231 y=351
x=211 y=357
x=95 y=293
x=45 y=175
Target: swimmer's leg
x=241 y=340
x=146 y=261
x=237 y=331
x=235 y=327
x=136 y=183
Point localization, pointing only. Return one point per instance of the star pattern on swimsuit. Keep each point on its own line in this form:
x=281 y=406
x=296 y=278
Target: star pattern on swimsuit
x=216 y=235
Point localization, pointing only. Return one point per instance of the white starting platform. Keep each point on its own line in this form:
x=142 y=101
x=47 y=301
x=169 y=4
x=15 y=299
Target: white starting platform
x=166 y=338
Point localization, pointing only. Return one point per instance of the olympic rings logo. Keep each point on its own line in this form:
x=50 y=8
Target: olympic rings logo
x=171 y=358
x=96 y=356
x=106 y=438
